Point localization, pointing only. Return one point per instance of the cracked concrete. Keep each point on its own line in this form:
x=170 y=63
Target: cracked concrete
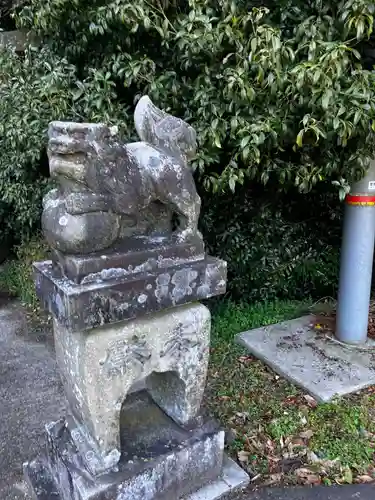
x=321 y=366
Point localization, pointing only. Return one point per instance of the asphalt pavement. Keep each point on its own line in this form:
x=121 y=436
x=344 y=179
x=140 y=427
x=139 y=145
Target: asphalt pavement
x=30 y=396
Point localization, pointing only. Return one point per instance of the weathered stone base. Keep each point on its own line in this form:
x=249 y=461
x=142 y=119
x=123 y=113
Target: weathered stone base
x=160 y=461
x=122 y=297
x=134 y=255
x=231 y=479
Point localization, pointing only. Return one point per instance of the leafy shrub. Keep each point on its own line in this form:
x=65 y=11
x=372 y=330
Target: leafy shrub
x=276 y=245
x=16 y=276
x=30 y=95
x=278 y=96
x=275 y=93
x=6 y=7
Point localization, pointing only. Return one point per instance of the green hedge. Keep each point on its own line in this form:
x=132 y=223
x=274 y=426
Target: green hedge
x=276 y=245
x=278 y=95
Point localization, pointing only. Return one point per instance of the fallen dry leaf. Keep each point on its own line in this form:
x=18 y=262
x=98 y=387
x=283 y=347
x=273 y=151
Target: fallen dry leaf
x=348 y=476
x=269 y=445
x=290 y=401
x=245 y=359
x=256 y=443
x=288 y=440
x=329 y=464
x=364 y=479
x=244 y=415
x=306 y=434
x=323 y=463
x=289 y=465
x=310 y=401
x=273 y=479
x=298 y=442
x=324 y=323
x=224 y=398
x=303 y=471
x=243 y=456
x=306 y=476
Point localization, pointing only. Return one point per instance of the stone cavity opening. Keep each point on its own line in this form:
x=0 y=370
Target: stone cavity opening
x=169 y=392
x=148 y=423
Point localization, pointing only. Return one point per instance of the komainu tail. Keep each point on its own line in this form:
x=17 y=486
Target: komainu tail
x=164 y=131
x=146 y=118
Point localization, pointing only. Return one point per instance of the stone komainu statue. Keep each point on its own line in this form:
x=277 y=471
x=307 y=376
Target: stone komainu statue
x=108 y=191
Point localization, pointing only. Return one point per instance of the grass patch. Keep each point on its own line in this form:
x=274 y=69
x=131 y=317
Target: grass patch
x=276 y=431
x=16 y=275
x=229 y=318
x=341 y=431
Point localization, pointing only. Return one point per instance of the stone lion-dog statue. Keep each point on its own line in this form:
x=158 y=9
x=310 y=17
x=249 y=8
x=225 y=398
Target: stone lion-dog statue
x=106 y=190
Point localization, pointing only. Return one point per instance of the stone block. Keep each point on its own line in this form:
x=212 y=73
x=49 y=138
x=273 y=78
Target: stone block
x=133 y=256
x=231 y=480
x=160 y=459
x=95 y=304
x=169 y=352
x=18 y=40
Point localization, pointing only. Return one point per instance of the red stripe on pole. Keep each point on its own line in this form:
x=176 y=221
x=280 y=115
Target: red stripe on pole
x=360 y=199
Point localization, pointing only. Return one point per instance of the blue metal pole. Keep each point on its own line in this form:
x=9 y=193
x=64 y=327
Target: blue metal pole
x=357 y=255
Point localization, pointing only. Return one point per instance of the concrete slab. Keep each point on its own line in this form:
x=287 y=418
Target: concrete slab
x=233 y=479
x=319 y=365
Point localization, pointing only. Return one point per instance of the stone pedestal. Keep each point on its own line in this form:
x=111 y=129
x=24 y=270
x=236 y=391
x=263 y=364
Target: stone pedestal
x=162 y=461
x=117 y=443
x=127 y=296
x=132 y=340
x=168 y=351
